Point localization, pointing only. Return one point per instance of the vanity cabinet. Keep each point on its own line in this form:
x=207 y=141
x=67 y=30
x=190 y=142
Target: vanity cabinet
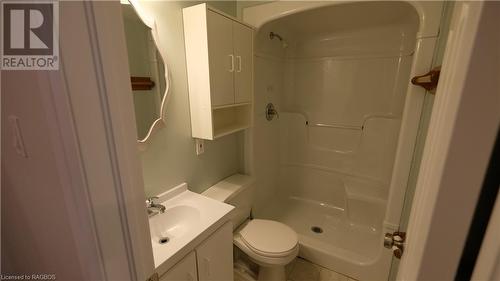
x=219 y=58
x=185 y=270
x=212 y=260
x=215 y=256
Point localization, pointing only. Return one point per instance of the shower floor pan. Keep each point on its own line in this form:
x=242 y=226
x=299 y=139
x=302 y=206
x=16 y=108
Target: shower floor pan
x=328 y=238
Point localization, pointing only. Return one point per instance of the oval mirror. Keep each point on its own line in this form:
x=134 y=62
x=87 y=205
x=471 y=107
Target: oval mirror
x=148 y=72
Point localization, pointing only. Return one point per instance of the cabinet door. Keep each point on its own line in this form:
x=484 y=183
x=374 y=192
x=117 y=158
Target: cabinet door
x=185 y=270
x=243 y=51
x=221 y=58
x=215 y=256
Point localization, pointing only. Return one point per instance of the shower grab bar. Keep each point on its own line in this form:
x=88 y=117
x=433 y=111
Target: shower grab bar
x=337 y=126
x=341 y=125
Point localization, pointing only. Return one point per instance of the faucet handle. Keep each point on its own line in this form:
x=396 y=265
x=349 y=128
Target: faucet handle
x=150 y=201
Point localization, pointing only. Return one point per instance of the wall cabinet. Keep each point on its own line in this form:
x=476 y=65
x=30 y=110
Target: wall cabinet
x=219 y=58
x=212 y=260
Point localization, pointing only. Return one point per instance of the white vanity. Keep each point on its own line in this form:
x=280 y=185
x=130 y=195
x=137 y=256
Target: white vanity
x=192 y=238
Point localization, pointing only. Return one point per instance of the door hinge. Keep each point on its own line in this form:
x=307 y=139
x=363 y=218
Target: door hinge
x=396 y=242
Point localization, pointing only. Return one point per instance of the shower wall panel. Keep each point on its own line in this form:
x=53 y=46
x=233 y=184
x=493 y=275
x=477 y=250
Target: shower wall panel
x=342 y=104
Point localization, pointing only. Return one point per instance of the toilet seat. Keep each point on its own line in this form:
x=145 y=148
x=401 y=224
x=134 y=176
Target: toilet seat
x=269 y=238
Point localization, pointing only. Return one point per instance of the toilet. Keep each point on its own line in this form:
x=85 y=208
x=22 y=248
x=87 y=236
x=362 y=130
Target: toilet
x=270 y=244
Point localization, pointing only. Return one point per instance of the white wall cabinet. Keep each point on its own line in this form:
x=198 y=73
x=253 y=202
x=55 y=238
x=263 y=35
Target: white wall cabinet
x=212 y=260
x=219 y=57
x=243 y=49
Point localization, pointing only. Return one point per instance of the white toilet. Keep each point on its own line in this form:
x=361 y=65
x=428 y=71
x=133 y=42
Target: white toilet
x=270 y=244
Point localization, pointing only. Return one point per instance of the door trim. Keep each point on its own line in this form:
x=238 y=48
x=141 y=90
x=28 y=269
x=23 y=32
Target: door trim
x=94 y=114
x=461 y=134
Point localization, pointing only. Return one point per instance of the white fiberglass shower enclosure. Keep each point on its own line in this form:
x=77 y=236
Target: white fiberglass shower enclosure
x=334 y=164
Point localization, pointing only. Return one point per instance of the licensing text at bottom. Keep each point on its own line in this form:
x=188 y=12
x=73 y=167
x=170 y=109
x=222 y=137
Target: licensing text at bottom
x=33 y=276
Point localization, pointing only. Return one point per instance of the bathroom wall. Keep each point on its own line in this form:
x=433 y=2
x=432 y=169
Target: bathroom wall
x=242 y=4
x=170 y=158
x=138 y=40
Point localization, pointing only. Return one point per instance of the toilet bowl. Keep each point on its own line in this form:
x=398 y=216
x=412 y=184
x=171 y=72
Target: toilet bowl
x=270 y=244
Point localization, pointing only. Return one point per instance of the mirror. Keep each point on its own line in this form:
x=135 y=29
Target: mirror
x=149 y=76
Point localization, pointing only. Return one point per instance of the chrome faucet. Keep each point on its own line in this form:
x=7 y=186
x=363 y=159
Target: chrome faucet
x=154 y=208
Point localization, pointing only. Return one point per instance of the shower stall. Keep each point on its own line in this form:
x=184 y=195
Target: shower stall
x=332 y=158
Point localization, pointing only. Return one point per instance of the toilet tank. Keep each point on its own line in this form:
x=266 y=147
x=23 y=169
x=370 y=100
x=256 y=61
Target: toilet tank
x=236 y=190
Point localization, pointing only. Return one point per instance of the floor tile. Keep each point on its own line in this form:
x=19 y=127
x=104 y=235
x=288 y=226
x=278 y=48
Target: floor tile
x=304 y=271
x=289 y=267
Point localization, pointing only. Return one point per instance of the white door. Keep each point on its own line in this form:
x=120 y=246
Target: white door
x=185 y=270
x=221 y=58
x=215 y=256
x=243 y=44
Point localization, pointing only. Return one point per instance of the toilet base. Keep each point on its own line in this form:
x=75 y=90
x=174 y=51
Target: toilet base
x=271 y=273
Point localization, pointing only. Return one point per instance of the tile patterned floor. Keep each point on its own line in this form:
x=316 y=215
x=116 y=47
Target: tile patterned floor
x=302 y=270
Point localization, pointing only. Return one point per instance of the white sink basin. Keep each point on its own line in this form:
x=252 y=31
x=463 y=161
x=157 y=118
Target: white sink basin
x=189 y=218
x=173 y=223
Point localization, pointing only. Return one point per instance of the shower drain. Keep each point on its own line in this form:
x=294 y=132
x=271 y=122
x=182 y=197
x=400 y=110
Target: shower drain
x=163 y=240
x=316 y=229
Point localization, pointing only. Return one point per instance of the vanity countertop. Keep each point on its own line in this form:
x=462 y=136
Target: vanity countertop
x=189 y=218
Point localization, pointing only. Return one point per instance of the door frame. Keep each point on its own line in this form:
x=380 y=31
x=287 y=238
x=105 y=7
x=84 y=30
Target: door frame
x=462 y=131
x=115 y=193
x=92 y=106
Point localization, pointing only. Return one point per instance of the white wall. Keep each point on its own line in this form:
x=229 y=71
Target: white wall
x=171 y=158
x=143 y=63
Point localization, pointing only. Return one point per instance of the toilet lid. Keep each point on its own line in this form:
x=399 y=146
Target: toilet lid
x=269 y=238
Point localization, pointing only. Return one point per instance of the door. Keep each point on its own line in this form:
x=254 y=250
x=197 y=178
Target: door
x=185 y=270
x=221 y=58
x=243 y=45
x=413 y=262
x=215 y=256
x=422 y=130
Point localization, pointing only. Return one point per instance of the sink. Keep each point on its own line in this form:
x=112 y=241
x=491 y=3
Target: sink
x=174 y=222
x=189 y=218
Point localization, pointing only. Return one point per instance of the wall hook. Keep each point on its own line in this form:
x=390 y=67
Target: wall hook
x=429 y=80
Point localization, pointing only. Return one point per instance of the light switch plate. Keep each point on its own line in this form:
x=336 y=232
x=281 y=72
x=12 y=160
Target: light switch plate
x=200 y=146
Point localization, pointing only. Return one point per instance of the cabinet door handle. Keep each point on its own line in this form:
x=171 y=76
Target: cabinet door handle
x=207 y=266
x=232 y=63
x=239 y=63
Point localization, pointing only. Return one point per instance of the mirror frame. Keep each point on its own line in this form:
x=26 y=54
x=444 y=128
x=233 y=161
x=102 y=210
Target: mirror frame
x=150 y=22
